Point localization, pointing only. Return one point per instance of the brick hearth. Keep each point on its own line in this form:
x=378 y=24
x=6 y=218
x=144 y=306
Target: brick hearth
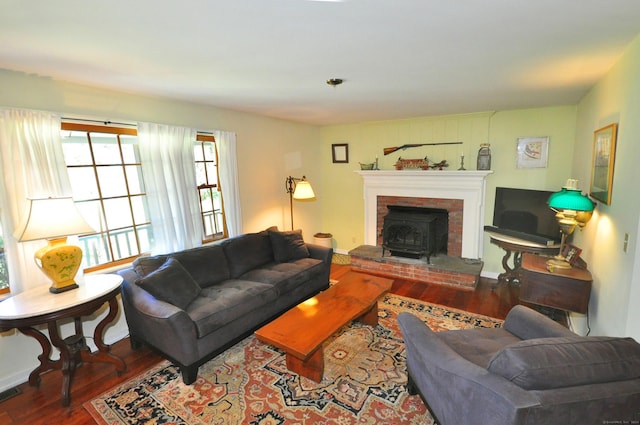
x=444 y=270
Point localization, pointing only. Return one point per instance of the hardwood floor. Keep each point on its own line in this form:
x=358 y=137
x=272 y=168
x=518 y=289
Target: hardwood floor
x=38 y=406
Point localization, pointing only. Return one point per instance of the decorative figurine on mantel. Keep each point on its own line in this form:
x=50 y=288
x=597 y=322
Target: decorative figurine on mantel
x=420 y=164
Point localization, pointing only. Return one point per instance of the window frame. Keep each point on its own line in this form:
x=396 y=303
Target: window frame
x=117 y=131
x=201 y=139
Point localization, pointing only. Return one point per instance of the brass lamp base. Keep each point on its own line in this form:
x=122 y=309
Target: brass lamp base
x=557 y=262
x=60 y=262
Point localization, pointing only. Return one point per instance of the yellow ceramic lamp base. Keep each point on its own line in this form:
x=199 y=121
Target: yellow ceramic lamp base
x=60 y=262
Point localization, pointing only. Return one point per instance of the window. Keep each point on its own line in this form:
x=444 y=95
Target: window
x=106 y=178
x=211 y=205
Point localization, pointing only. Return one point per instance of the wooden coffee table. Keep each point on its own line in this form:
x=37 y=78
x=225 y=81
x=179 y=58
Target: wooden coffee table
x=301 y=331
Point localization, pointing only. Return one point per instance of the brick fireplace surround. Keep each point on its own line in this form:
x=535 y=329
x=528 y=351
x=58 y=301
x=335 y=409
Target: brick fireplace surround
x=461 y=193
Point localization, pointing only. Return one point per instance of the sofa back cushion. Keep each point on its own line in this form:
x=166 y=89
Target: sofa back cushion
x=248 y=251
x=206 y=264
x=288 y=246
x=546 y=363
x=171 y=283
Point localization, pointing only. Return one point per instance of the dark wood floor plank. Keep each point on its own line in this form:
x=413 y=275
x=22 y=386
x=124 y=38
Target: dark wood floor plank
x=40 y=406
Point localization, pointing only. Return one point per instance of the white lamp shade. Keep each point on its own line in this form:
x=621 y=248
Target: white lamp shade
x=303 y=190
x=51 y=218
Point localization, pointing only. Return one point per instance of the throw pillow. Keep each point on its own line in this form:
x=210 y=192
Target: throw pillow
x=171 y=283
x=545 y=363
x=288 y=246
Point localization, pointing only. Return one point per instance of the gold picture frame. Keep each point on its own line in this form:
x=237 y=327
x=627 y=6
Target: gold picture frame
x=604 y=154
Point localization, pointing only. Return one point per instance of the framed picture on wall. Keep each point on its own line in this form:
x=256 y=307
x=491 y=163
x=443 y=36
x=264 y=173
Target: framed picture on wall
x=604 y=153
x=532 y=152
x=340 y=153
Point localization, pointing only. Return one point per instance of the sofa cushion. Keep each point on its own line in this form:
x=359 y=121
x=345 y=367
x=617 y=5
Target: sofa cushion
x=171 y=283
x=288 y=246
x=145 y=265
x=207 y=264
x=248 y=251
x=286 y=277
x=545 y=363
x=218 y=305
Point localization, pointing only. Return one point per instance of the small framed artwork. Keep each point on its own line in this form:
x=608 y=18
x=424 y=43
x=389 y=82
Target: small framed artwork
x=532 y=152
x=571 y=253
x=604 y=153
x=340 y=153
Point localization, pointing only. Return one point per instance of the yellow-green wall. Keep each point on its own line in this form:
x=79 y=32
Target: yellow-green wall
x=342 y=209
x=616 y=292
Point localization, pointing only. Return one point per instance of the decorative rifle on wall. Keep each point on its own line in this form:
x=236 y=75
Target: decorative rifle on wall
x=388 y=151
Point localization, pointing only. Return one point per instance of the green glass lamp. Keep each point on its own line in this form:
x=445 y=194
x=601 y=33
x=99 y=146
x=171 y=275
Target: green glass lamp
x=572 y=209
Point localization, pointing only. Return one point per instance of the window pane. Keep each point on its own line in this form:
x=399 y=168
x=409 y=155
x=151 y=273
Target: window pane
x=92 y=212
x=112 y=181
x=83 y=183
x=140 y=210
x=95 y=250
x=129 y=149
x=201 y=177
x=105 y=148
x=145 y=237
x=209 y=151
x=212 y=175
x=206 y=203
x=134 y=178
x=123 y=243
x=197 y=152
x=75 y=148
x=118 y=213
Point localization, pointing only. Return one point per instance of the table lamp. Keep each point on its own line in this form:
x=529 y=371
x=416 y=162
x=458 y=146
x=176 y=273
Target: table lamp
x=298 y=188
x=54 y=219
x=572 y=209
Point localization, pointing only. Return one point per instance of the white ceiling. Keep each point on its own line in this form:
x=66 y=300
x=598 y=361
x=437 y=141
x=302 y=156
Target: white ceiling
x=399 y=58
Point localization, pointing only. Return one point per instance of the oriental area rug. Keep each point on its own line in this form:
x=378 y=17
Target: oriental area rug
x=364 y=380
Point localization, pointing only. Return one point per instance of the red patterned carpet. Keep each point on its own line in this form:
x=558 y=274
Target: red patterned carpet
x=364 y=382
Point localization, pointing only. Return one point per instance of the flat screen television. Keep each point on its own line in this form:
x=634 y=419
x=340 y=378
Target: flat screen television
x=524 y=213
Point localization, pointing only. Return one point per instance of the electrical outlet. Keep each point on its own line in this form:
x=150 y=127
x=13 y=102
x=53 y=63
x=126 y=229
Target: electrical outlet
x=626 y=242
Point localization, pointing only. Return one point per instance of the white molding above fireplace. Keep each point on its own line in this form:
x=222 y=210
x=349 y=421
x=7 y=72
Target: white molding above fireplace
x=466 y=185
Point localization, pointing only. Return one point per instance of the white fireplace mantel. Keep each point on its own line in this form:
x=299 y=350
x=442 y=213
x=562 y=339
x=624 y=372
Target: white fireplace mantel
x=468 y=186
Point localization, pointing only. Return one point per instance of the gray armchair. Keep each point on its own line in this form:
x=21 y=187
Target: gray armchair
x=530 y=371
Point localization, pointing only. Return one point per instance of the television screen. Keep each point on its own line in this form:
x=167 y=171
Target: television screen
x=525 y=211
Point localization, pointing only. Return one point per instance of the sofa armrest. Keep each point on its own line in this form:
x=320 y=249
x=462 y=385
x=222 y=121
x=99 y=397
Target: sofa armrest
x=158 y=323
x=320 y=252
x=447 y=381
x=526 y=323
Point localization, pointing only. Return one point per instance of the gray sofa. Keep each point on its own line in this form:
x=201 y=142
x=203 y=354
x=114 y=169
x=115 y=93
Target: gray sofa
x=193 y=304
x=530 y=371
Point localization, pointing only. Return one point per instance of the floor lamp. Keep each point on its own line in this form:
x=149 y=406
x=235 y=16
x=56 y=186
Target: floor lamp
x=298 y=188
x=572 y=209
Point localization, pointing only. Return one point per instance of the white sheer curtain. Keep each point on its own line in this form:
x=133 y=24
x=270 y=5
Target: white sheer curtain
x=166 y=153
x=32 y=167
x=228 y=171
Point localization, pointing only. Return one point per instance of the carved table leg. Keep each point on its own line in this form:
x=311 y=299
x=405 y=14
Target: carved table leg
x=69 y=349
x=46 y=364
x=103 y=354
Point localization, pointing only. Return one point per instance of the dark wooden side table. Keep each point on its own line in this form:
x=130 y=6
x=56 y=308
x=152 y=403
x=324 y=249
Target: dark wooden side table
x=38 y=306
x=517 y=247
x=562 y=289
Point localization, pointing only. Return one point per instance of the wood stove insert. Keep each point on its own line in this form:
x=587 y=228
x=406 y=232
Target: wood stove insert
x=415 y=232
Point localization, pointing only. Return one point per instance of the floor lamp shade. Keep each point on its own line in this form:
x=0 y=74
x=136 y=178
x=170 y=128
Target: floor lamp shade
x=54 y=219
x=299 y=189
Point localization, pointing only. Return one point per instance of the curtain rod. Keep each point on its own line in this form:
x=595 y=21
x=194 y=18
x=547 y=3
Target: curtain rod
x=106 y=122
